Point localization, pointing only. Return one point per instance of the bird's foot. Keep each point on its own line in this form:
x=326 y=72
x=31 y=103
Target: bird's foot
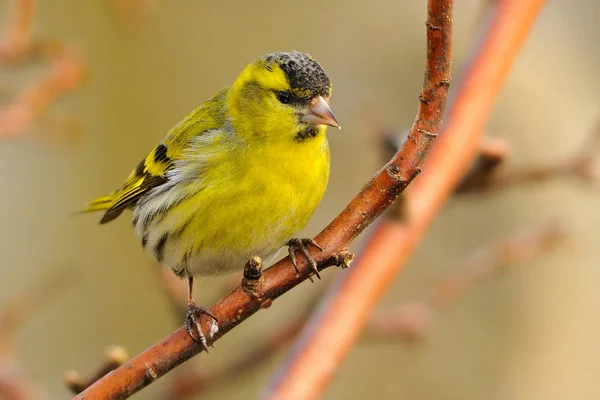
x=301 y=245
x=192 y=320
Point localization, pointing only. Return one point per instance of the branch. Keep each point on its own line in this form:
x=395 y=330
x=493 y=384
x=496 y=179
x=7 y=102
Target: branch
x=19 y=43
x=407 y=322
x=337 y=324
x=194 y=382
x=579 y=165
x=492 y=153
x=114 y=358
x=18 y=39
x=65 y=75
x=411 y=321
x=15 y=386
x=491 y=259
x=485 y=177
x=372 y=200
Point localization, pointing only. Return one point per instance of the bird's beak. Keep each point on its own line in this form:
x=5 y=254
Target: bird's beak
x=320 y=113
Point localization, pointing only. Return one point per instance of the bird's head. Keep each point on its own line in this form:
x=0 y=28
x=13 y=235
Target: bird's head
x=282 y=96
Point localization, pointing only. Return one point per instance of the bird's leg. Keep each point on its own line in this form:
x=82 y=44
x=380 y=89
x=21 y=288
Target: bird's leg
x=296 y=244
x=192 y=317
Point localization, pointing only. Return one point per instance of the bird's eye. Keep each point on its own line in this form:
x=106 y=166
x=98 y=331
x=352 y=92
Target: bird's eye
x=284 y=97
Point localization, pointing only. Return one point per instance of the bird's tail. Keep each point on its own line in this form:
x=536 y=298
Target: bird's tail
x=105 y=203
x=99 y=204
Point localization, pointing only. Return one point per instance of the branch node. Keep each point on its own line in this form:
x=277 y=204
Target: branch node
x=266 y=303
x=431 y=135
x=150 y=372
x=410 y=136
x=74 y=382
x=252 y=281
x=432 y=26
x=343 y=259
x=392 y=170
x=115 y=357
x=445 y=82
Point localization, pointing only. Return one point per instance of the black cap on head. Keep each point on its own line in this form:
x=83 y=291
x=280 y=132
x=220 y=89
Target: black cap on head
x=303 y=72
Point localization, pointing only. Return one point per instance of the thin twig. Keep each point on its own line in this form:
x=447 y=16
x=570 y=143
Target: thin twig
x=492 y=153
x=491 y=259
x=579 y=165
x=115 y=357
x=372 y=200
x=338 y=323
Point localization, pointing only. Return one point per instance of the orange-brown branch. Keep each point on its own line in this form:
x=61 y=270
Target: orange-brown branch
x=65 y=74
x=486 y=177
x=372 y=200
x=19 y=36
x=339 y=322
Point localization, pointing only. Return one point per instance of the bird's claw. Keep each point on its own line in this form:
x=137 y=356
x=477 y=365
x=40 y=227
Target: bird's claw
x=192 y=320
x=295 y=245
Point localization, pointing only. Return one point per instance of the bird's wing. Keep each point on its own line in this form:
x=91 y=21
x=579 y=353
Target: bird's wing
x=152 y=170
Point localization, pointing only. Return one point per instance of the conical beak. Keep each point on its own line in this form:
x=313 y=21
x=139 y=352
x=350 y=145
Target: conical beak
x=320 y=113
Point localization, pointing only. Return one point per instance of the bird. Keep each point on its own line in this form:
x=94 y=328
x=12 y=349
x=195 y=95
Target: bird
x=238 y=177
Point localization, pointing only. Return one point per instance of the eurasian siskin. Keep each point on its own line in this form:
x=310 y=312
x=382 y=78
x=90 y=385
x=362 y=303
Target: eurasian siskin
x=238 y=177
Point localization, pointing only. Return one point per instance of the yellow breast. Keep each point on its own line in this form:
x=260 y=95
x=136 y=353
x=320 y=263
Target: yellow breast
x=249 y=201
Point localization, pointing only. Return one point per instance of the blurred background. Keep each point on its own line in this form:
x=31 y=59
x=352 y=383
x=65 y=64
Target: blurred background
x=531 y=332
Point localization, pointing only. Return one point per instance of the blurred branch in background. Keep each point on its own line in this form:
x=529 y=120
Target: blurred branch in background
x=19 y=43
x=485 y=176
x=65 y=73
x=13 y=315
x=412 y=320
x=492 y=153
x=18 y=39
x=130 y=12
x=371 y=201
x=337 y=324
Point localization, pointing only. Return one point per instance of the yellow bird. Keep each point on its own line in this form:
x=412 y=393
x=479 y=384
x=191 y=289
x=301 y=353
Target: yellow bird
x=238 y=177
